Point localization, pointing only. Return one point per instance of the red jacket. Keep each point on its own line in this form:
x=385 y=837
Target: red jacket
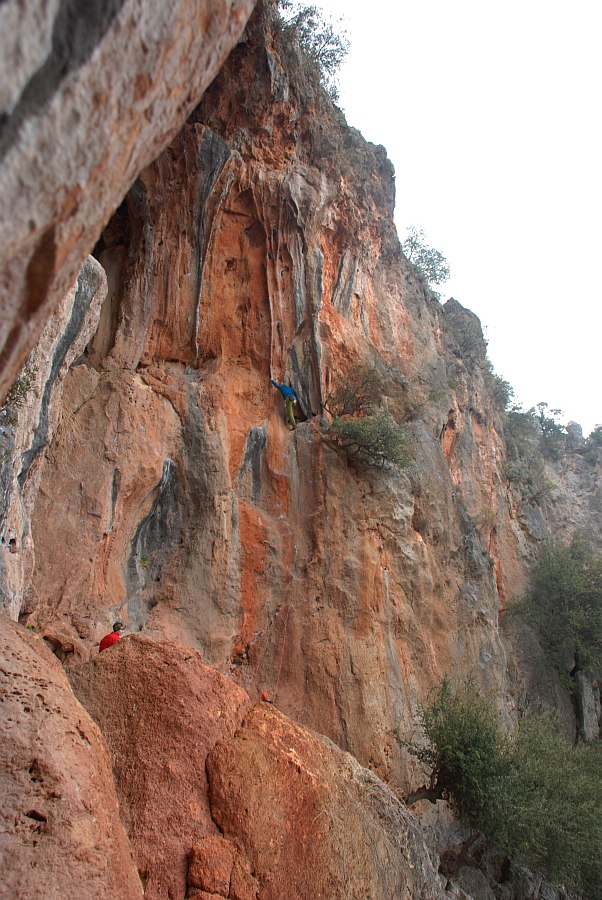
x=108 y=640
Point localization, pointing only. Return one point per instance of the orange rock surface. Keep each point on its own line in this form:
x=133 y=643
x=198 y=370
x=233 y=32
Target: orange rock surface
x=185 y=506
x=249 y=560
x=60 y=833
x=161 y=711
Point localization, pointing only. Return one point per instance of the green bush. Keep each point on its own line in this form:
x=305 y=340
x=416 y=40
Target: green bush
x=501 y=391
x=358 y=427
x=374 y=440
x=360 y=392
x=536 y=428
x=593 y=444
x=548 y=813
x=553 y=434
x=465 y=751
x=564 y=605
x=535 y=795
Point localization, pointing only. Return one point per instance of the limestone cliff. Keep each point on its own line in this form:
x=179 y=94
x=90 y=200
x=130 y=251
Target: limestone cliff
x=152 y=477
x=89 y=93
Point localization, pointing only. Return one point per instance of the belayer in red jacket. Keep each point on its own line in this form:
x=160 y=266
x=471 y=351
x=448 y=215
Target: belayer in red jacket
x=112 y=637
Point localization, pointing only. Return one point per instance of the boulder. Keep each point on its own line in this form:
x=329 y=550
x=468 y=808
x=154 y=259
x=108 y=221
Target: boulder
x=311 y=821
x=161 y=710
x=60 y=833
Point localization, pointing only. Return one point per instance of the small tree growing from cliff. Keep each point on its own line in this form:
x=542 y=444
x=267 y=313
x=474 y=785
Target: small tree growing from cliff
x=15 y=399
x=374 y=440
x=430 y=263
x=359 y=428
x=465 y=751
x=324 y=44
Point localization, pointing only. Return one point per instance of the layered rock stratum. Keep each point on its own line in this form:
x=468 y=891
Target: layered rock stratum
x=152 y=477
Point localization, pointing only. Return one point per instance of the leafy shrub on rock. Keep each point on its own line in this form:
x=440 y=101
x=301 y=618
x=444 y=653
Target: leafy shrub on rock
x=564 y=605
x=534 y=795
x=17 y=395
x=358 y=427
x=548 y=813
x=465 y=751
x=375 y=440
x=427 y=261
x=324 y=44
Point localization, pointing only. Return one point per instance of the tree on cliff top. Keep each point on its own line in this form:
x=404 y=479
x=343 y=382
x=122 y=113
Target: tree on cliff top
x=324 y=44
x=430 y=263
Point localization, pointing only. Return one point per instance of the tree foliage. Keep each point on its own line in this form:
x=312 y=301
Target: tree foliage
x=501 y=391
x=324 y=43
x=564 y=605
x=532 y=436
x=594 y=439
x=358 y=427
x=534 y=795
x=431 y=263
x=548 y=812
x=553 y=434
x=375 y=440
x=359 y=392
x=466 y=752
x=593 y=444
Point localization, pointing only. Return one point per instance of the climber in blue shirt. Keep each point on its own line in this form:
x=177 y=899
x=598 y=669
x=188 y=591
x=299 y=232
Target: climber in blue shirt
x=290 y=400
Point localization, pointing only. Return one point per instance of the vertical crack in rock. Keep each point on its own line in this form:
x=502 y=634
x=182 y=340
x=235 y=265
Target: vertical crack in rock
x=213 y=155
x=153 y=544
x=115 y=485
x=342 y=294
x=88 y=283
x=254 y=448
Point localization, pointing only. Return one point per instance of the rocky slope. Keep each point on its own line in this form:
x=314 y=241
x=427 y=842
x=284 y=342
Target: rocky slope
x=256 y=806
x=152 y=477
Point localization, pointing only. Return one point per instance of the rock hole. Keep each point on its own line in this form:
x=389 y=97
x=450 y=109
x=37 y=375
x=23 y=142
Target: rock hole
x=36 y=816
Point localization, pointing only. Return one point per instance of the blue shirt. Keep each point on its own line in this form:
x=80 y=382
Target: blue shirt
x=284 y=389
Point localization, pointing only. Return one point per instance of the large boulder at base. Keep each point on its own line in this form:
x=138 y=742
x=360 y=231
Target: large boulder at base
x=311 y=821
x=60 y=834
x=90 y=93
x=161 y=710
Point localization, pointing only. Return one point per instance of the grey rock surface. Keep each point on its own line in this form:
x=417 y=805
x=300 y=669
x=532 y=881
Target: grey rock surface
x=93 y=92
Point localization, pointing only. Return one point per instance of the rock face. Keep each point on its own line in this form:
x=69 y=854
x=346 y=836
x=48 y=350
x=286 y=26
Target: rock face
x=154 y=479
x=297 y=817
x=260 y=245
x=161 y=711
x=60 y=829
x=200 y=517
x=90 y=93
x=312 y=822
x=23 y=443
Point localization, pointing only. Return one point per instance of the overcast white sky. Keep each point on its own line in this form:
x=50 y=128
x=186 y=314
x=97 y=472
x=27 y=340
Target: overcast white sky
x=490 y=113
